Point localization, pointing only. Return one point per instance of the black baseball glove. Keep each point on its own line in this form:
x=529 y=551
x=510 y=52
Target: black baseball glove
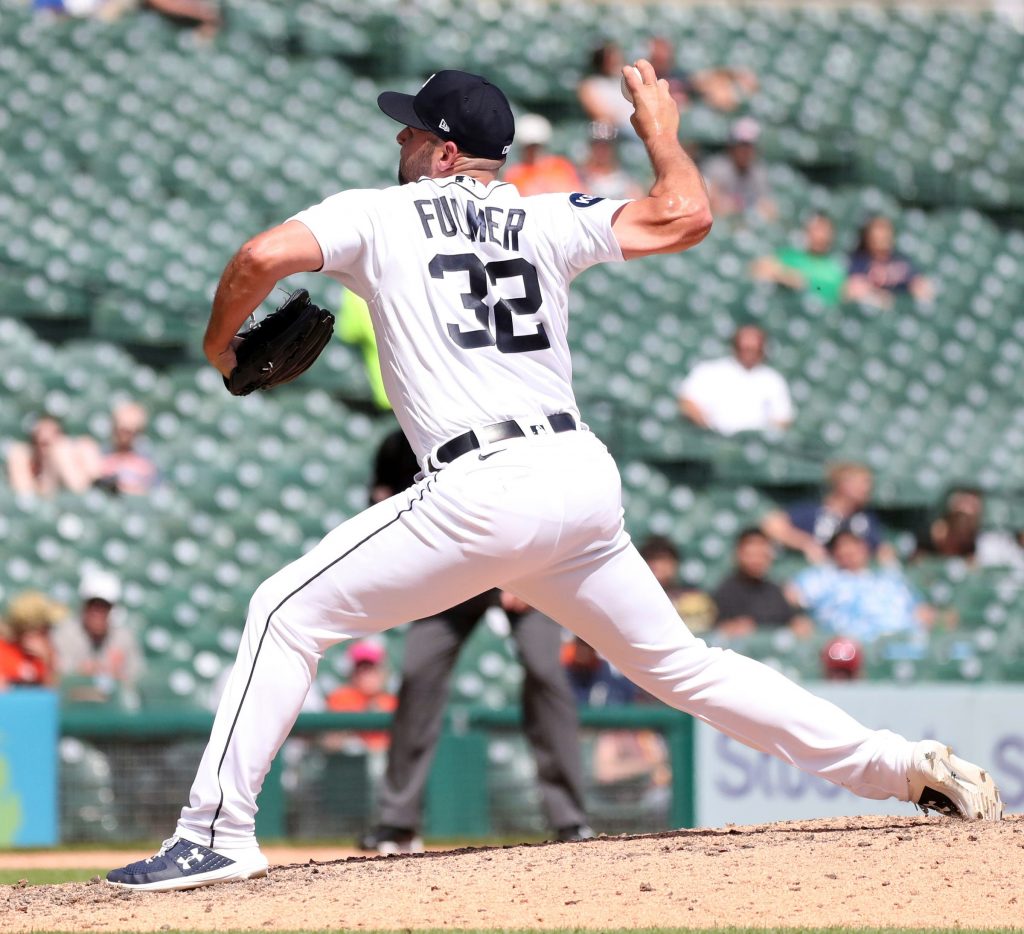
x=281 y=346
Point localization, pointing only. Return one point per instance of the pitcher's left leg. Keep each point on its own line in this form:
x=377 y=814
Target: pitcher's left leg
x=612 y=600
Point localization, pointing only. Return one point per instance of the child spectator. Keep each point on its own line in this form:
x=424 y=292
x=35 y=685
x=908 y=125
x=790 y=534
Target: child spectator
x=26 y=649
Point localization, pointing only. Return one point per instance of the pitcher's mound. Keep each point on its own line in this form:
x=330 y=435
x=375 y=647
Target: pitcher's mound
x=871 y=872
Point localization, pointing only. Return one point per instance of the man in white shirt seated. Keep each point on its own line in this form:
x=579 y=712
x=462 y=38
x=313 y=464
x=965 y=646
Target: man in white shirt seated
x=739 y=392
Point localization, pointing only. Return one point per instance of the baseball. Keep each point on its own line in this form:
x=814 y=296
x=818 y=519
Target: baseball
x=625 y=87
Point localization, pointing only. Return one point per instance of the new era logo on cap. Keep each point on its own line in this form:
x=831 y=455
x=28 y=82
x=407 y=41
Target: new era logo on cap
x=458 y=106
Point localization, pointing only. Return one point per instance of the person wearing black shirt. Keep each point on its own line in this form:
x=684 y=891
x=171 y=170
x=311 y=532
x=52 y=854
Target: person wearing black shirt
x=747 y=599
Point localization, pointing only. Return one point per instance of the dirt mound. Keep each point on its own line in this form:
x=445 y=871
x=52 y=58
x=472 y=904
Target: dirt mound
x=877 y=872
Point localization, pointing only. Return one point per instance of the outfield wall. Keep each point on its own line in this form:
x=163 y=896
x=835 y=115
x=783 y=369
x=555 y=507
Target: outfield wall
x=983 y=723
x=123 y=776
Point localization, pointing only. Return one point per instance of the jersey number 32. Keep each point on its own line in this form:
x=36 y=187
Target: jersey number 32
x=475 y=300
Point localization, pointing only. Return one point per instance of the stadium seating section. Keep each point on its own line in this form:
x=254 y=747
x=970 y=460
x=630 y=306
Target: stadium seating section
x=135 y=159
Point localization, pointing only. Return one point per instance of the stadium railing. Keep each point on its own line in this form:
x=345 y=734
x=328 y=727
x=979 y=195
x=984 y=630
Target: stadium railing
x=144 y=762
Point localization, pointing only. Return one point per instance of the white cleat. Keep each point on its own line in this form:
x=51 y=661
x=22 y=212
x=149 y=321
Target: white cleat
x=942 y=782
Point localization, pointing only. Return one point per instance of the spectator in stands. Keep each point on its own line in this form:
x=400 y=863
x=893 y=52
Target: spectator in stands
x=737 y=181
x=723 y=88
x=692 y=603
x=126 y=468
x=739 y=392
x=957 y=533
x=594 y=681
x=600 y=91
x=747 y=599
x=848 y=597
x=366 y=690
x=538 y=171
x=50 y=461
x=877 y=272
x=601 y=174
x=355 y=327
x=809 y=526
x=954 y=534
x=813 y=268
x=26 y=647
x=98 y=657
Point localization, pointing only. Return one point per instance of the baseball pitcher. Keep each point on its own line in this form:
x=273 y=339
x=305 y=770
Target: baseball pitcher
x=467 y=284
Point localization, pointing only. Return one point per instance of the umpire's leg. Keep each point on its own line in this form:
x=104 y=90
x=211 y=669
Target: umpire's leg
x=550 y=721
x=431 y=650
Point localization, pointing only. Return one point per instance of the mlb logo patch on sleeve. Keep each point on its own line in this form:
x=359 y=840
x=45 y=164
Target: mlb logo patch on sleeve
x=583 y=201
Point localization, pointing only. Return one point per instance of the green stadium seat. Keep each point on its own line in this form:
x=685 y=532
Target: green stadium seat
x=137 y=163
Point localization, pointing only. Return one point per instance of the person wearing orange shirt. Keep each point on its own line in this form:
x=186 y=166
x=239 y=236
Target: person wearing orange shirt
x=366 y=690
x=26 y=650
x=539 y=172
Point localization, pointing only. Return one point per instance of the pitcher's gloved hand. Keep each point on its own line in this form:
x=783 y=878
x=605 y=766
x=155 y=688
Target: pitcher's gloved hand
x=281 y=346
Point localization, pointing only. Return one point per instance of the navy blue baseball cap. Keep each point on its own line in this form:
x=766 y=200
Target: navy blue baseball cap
x=458 y=106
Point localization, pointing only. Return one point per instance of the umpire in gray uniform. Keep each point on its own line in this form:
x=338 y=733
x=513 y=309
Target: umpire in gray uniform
x=432 y=647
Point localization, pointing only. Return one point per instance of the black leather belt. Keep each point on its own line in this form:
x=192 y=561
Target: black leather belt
x=500 y=431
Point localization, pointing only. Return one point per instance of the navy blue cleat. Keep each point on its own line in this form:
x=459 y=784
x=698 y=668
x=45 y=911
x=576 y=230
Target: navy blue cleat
x=181 y=864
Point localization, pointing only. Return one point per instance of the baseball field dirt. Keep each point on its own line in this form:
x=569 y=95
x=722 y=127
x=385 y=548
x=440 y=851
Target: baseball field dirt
x=870 y=872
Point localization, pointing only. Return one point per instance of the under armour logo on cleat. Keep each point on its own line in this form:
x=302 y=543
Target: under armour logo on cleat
x=186 y=861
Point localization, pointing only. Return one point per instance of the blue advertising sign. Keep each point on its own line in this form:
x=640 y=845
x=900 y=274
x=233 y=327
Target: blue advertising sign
x=28 y=767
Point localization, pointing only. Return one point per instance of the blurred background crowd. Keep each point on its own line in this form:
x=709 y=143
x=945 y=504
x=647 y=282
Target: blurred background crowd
x=818 y=414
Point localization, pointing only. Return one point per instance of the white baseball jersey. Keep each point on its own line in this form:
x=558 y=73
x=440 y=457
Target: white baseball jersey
x=467 y=285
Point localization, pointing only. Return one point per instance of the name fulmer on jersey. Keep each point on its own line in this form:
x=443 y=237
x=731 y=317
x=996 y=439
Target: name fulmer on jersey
x=446 y=217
